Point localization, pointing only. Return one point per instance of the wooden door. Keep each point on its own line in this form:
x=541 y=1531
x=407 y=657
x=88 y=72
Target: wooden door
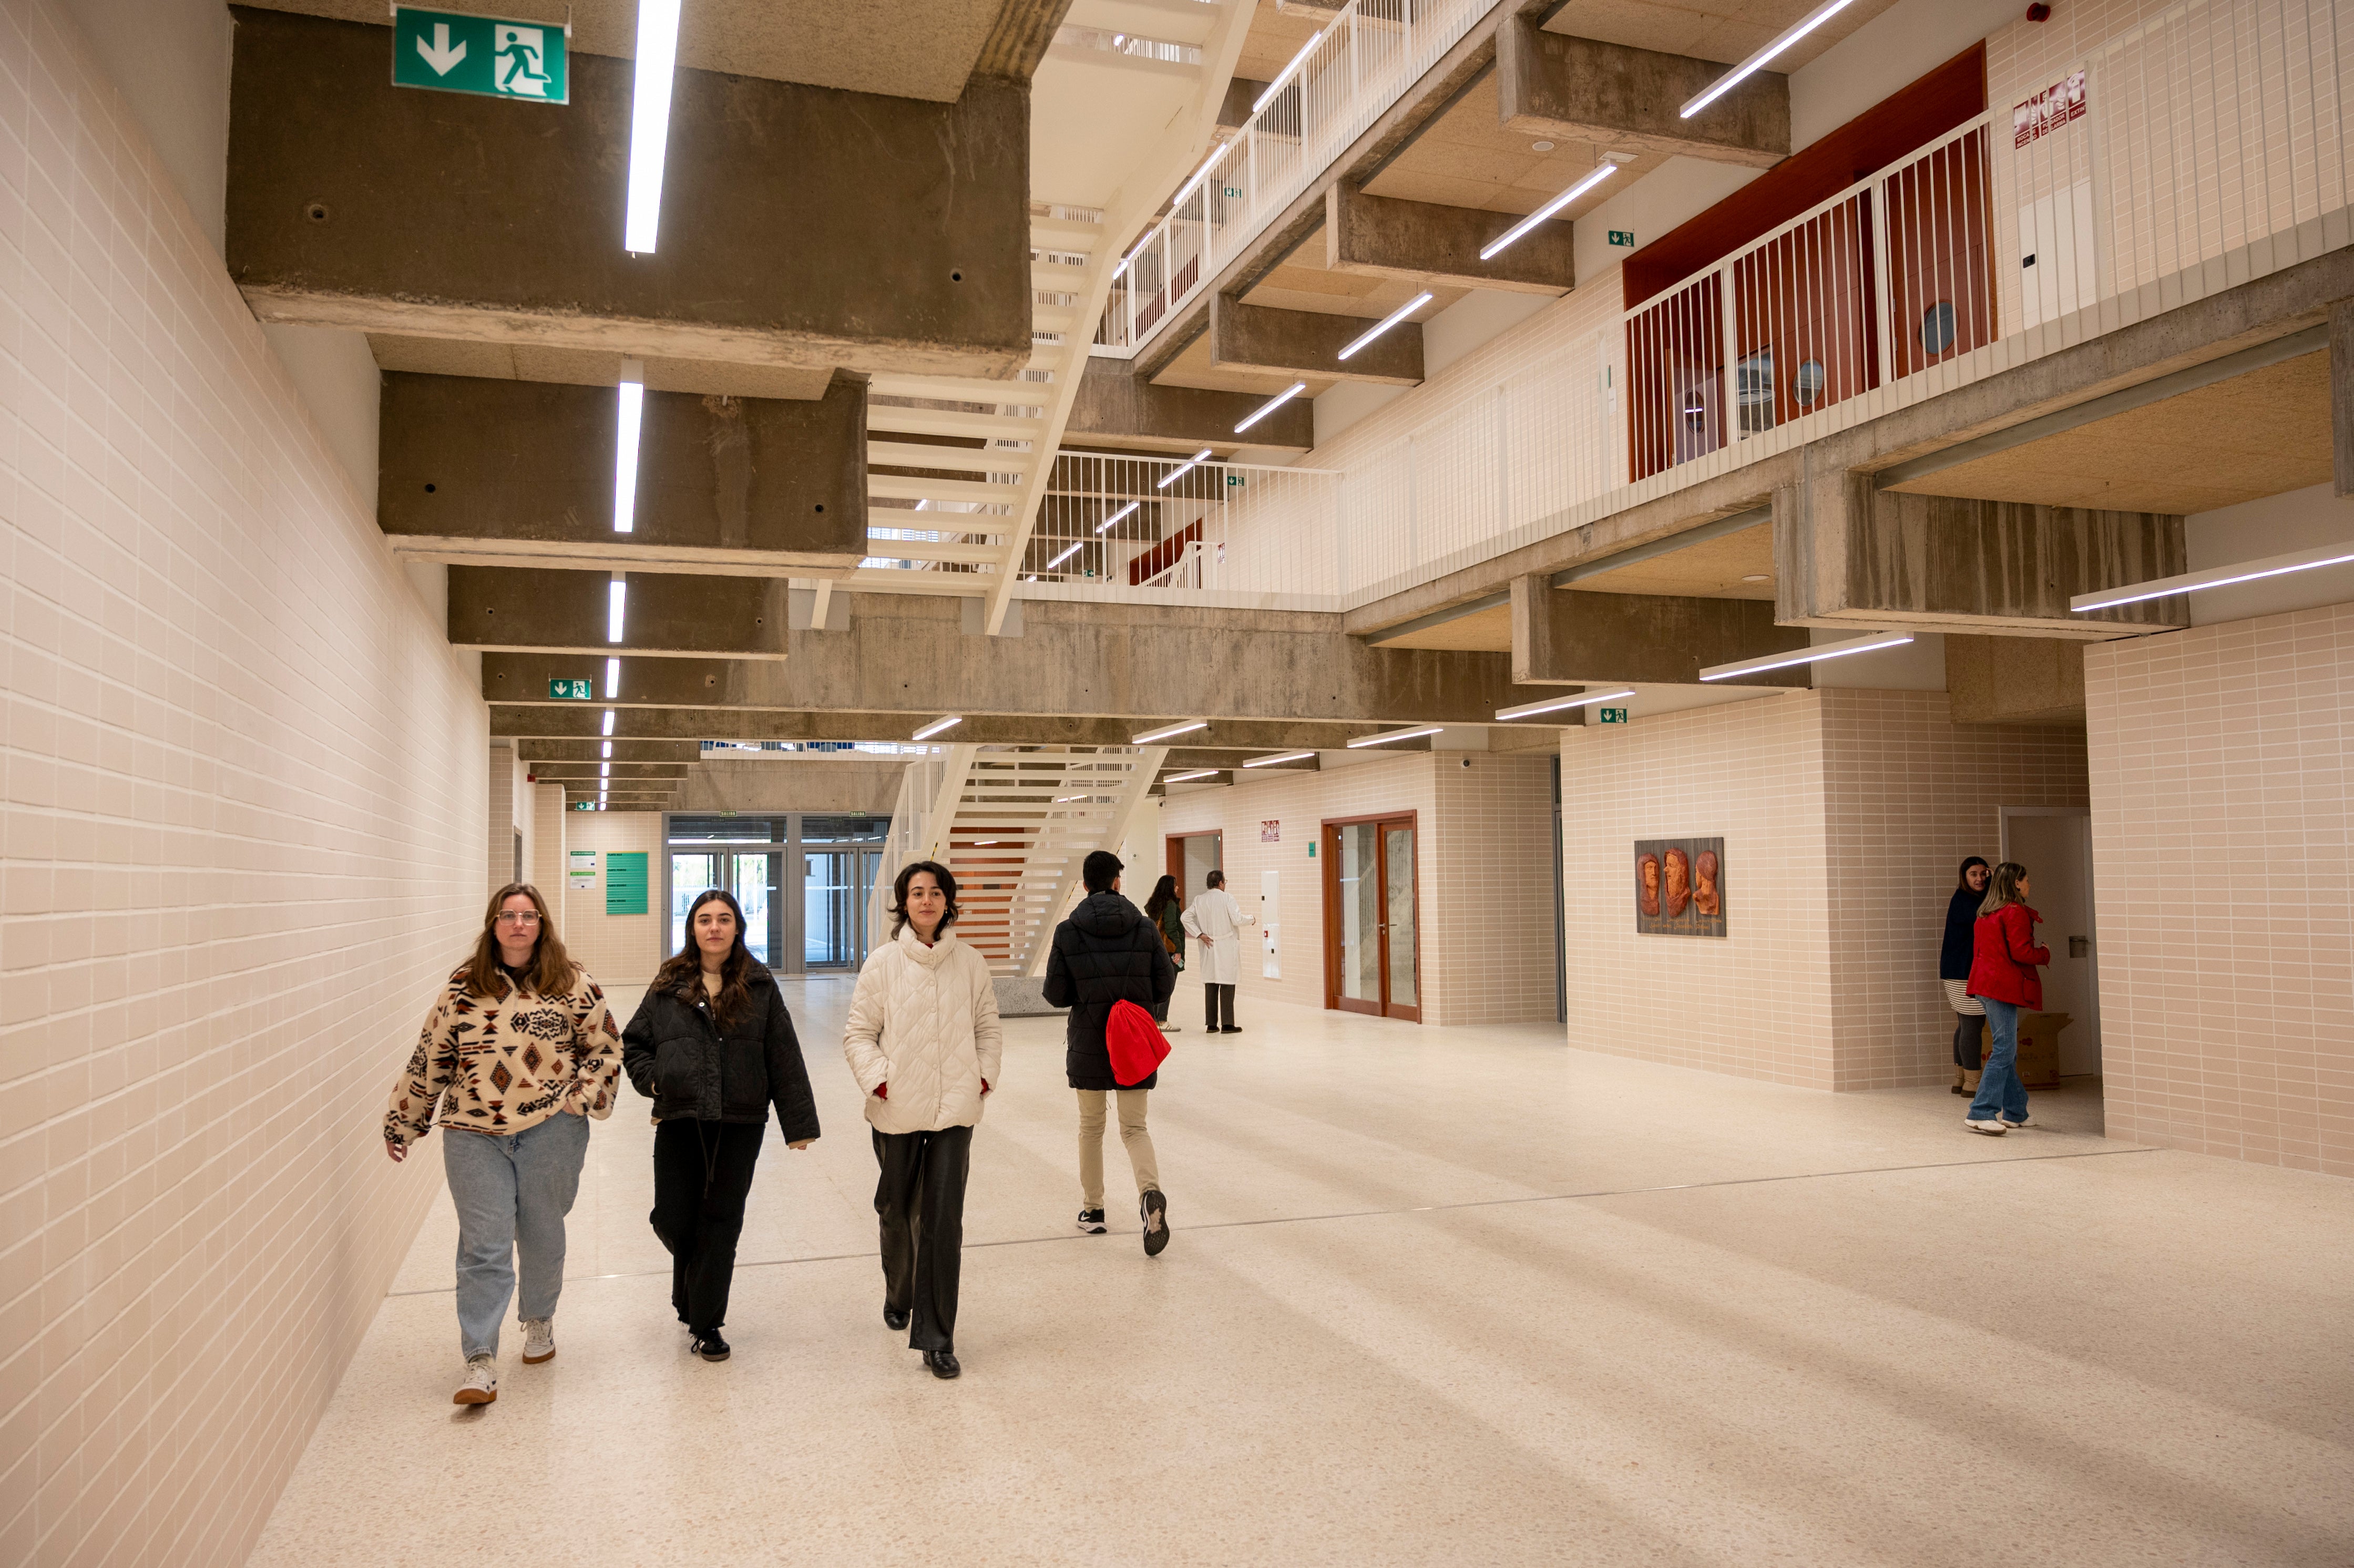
x=1373 y=947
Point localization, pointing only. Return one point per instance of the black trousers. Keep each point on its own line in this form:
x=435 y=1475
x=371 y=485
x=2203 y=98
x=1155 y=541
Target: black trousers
x=1969 y=1039
x=1217 y=995
x=703 y=1171
x=920 y=1198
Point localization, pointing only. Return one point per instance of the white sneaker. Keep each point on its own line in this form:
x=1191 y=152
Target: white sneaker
x=1991 y=1128
x=2008 y=1122
x=538 y=1341
x=1171 y=1029
x=482 y=1383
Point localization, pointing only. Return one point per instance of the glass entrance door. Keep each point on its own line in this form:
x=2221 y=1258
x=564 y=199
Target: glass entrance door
x=752 y=878
x=1371 y=945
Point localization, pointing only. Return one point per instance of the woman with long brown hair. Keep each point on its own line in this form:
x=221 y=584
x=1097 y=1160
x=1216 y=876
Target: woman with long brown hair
x=712 y=1046
x=518 y=1052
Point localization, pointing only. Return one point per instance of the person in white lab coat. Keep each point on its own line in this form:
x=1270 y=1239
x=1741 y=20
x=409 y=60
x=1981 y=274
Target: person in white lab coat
x=1215 y=921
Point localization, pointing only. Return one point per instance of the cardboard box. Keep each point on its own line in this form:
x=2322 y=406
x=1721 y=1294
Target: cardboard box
x=2038 y=1047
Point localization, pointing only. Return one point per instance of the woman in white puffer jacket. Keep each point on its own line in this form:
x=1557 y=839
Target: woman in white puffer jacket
x=924 y=1042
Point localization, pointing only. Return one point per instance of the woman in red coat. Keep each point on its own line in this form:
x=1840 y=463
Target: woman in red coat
x=2003 y=962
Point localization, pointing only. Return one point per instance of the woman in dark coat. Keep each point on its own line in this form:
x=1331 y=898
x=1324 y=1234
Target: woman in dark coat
x=1953 y=972
x=712 y=1046
x=1166 y=910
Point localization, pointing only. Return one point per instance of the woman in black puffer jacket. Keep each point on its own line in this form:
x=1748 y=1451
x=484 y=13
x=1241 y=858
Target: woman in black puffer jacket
x=712 y=1046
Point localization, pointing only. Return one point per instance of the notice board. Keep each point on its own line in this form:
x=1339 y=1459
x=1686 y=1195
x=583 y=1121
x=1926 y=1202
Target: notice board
x=625 y=884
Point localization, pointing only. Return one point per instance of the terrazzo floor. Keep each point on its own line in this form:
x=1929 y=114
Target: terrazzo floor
x=1434 y=1296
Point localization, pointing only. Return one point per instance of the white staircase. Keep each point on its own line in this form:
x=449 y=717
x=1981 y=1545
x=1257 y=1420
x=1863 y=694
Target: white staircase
x=1012 y=824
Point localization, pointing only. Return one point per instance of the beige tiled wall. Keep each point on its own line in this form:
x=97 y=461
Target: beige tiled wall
x=619 y=949
x=1845 y=813
x=242 y=792
x=1756 y=1002
x=547 y=834
x=1486 y=922
x=1906 y=795
x=2220 y=834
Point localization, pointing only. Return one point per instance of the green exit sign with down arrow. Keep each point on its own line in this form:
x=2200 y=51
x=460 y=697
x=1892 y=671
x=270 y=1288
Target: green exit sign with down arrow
x=453 y=52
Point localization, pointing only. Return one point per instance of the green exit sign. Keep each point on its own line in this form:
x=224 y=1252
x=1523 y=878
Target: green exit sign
x=450 y=51
x=1612 y=716
x=1235 y=479
x=571 y=691
x=1622 y=237
x=1234 y=193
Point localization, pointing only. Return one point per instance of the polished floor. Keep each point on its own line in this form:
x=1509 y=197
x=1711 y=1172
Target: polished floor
x=1435 y=1296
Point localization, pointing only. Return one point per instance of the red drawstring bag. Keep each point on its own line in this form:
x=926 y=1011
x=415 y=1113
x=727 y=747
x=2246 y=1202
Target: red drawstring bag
x=1134 y=1042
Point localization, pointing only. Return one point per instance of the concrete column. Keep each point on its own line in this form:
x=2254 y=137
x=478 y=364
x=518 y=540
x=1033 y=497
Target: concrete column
x=1847 y=555
x=1438 y=247
x=1622 y=99
x=1569 y=637
x=2341 y=393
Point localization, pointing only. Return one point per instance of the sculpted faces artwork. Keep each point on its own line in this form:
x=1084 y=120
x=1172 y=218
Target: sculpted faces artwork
x=1679 y=888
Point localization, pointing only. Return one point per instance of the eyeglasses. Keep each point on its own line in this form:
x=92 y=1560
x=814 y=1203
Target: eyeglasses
x=518 y=918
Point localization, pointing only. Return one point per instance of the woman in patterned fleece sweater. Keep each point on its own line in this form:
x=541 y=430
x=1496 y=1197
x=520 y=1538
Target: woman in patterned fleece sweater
x=518 y=1052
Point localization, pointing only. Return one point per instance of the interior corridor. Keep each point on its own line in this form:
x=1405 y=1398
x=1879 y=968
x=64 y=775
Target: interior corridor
x=1612 y=1311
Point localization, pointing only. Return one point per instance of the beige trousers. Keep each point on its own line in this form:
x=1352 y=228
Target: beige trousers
x=1138 y=1141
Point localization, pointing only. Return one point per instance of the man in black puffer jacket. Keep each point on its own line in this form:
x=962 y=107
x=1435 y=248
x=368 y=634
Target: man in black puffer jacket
x=1107 y=952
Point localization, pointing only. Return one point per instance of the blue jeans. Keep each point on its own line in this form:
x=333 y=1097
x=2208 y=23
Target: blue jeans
x=512 y=1194
x=1999 y=1086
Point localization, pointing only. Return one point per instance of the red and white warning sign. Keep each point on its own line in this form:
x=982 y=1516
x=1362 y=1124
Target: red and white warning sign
x=2048 y=111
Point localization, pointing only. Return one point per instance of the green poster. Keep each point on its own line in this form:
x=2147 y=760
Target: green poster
x=625 y=884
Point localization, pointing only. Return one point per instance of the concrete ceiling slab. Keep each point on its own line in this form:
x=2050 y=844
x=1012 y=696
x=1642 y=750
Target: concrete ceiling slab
x=901 y=48
x=591 y=368
x=1726 y=30
x=1091 y=114
x=1192 y=368
x=1466 y=158
x=1481 y=632
x=1713 y=569
x=2262 y=433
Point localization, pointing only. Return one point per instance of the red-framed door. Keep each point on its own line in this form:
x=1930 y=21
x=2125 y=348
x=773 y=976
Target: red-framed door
x=1373 y=938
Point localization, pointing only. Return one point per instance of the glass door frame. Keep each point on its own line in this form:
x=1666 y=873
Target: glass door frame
x=1382 y=822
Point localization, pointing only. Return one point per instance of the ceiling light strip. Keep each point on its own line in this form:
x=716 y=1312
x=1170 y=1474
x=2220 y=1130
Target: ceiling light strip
x=1386 y=323
x=1067 y=554
x=1284 y=757
x=1188 y=778
x=1182 y=469
x=625 y=447
x=1556 y=704
x=1389 y=735
x=1271 y=405
x=1815 y=655
x=650 y=122
x=1154 y=736
x=1108 y=524
x=1521 y=229
x=616 y=604
x=612 y=680
x=937 y=725
x=609 y=721
x=1750 y=67
x=2215 y=576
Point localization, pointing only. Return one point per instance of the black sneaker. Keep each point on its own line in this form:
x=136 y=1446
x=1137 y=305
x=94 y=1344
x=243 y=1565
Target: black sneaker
x=1231 y=1029
x=1091 y=1220
x=1155 y=1210
x=711 y=1347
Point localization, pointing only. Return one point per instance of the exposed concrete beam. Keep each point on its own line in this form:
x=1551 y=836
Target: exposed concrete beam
x=1569 y=637
x=908 y=654
x=1438 y=247
x=1309 y=344
x=1114 y=401
x=1849 y=554
x=635 y=772
x=625 y=749
x=2226 y=323
x=672 y=726
x=801 y=225
x=1552 y=84
x=525 y=609
x=522 y=472
x=2341 y=393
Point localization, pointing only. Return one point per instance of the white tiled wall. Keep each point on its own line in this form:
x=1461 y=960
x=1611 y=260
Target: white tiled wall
x=1483 y=892
x=242 y=792
x=2219 y=846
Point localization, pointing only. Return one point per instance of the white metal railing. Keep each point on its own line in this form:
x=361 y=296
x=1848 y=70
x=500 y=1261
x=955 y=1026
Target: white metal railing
x=1168 y=522
x=1351 y=72
x=2203 y=146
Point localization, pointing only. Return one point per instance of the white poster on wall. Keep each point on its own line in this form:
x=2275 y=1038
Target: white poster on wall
x=581 y=870
x=1271 y=914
